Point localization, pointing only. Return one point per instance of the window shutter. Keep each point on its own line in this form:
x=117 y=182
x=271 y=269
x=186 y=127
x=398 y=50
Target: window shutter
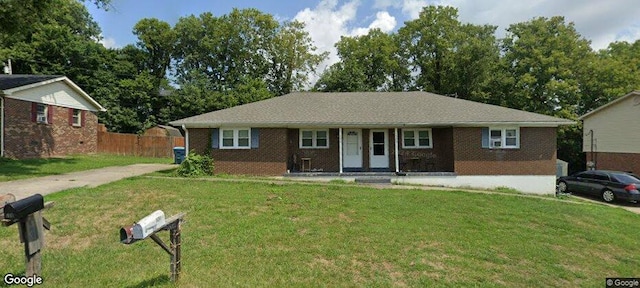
x=215 y=138
x=82 y=118
x=485 y=137
x=255 y=137
x=70 y=116
x=34 y=111
x=49 y=114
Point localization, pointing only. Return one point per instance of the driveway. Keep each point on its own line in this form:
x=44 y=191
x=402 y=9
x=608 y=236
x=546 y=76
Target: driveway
x=91 y=178
x=633 y=207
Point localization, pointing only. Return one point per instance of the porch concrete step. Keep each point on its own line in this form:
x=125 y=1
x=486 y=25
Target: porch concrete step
x=373 y=180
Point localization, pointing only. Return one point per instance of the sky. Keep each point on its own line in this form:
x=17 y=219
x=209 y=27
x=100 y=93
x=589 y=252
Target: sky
x=601 y=22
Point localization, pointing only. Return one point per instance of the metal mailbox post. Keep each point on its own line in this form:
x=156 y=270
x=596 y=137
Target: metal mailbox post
x=149 y=226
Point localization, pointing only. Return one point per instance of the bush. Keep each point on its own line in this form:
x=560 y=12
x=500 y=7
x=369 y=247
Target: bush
x=196 y=165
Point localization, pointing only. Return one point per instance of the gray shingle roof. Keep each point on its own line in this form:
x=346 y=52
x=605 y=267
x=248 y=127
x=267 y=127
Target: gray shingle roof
x=367 y=109
x=17 y=80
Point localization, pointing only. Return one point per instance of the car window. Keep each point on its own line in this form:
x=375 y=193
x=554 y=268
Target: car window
x=602 y=177
x=585 y=174
x=625 y=178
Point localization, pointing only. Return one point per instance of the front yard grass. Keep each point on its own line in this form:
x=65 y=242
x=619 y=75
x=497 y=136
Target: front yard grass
x=29 y=168
x=246 y=234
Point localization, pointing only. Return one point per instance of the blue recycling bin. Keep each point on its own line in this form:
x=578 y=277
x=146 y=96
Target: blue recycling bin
x=178 y=154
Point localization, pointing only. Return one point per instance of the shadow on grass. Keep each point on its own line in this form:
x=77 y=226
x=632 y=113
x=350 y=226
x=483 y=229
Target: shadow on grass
x=151 y=282
x=10 y=167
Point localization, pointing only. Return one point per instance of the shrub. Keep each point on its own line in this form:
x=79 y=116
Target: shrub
x=195 y=164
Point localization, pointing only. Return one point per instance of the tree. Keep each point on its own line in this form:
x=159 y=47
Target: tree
x=448 y=57
x=291 y=58
x=546 y=60
x=369 y=62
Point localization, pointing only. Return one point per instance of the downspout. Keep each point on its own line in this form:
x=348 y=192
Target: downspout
x=186 y=140
x=592 y=160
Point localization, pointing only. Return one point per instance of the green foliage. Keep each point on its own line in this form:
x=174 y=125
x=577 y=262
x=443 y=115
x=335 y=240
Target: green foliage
x=195 y=165
x=369 y=62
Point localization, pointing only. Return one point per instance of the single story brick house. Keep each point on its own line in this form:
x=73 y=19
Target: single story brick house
x=418 y=137
x=611 y=133
x=44 y=116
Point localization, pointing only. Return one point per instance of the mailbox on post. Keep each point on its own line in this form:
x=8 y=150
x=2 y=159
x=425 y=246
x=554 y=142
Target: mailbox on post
x=27 y=213
x=20 y=209
x=149 y=226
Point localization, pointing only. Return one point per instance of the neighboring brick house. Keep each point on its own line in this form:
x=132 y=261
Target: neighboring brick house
x=611 y=134
x=45 y=116
x=422 y=137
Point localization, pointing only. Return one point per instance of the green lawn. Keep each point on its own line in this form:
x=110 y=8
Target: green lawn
x=28 y=168
x=292 y=235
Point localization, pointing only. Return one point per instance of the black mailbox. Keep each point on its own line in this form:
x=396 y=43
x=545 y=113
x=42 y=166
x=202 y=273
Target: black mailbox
x=22 y=208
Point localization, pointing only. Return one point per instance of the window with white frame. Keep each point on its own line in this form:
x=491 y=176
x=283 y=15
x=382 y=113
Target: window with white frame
x=504 y=138
x=416 y=138
x=314 y=138
x=41 y=113
x=235 y=138
x=76 y=119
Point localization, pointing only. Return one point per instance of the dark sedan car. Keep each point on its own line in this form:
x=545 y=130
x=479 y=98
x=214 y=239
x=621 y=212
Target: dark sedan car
x=609 y=185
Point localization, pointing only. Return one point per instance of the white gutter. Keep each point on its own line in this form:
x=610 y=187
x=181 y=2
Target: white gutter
x=186 y=140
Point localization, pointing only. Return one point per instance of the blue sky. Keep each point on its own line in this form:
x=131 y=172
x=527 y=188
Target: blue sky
x=599 y=21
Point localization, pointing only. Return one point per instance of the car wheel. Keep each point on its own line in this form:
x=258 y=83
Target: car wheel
x=608 y=196
x=562 y=187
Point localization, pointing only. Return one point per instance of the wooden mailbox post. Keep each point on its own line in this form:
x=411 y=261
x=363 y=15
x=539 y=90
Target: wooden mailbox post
x=147 y=228
x=27 y=213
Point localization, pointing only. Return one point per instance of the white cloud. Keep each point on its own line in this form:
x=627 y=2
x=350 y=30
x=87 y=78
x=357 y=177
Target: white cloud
x=108 y=42
x=594 y=20
x=384 y=21
x=328 y=21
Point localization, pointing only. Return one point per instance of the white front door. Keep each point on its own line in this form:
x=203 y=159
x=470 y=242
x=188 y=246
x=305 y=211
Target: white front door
x=378 y=149
x=352 y=148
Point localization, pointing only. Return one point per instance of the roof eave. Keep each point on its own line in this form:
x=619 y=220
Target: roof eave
x=366 y=124
x=66 y=80
x=605 y=106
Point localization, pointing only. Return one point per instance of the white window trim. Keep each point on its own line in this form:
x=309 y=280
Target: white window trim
x=77 y=123
x=417 y=138
x=46 y=114
x=314 y=138
x=503 y=138
x=235 y=138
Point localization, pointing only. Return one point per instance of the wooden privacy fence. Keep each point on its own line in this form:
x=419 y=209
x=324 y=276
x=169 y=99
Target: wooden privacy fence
x=136 y=145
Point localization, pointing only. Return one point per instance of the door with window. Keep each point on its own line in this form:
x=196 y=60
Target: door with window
x=378 y=149
x=352 y=148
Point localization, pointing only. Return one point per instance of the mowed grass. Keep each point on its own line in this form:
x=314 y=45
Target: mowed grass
x=292 y=235
x=20 y=169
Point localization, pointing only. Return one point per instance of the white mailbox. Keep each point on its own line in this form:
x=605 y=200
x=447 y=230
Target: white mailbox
x=147 y=225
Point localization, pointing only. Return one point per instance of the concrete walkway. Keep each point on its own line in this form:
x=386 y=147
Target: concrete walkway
x=91 y=178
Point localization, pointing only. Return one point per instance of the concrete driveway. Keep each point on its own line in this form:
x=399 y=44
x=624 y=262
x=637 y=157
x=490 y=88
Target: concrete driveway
x=633 y=207
x=91 y=178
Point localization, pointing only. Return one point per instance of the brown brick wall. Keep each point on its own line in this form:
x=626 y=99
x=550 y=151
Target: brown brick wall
x=629 y=162
x=270 y=158
x=326 y=159
x=536 y=155
x=27 y=139
x=440 y=156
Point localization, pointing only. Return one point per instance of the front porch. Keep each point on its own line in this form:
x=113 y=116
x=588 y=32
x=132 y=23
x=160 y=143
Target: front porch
x=382 y=150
